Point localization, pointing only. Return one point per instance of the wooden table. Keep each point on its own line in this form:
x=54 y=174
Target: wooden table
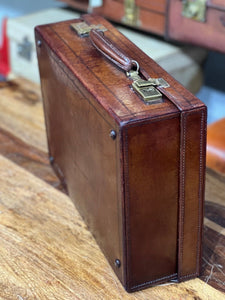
x=46 y=251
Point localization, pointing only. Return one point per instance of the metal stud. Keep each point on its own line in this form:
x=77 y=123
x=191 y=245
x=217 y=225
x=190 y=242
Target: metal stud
x=51 y=159
x=39 y=43
x=113 y=134
x=117 y=263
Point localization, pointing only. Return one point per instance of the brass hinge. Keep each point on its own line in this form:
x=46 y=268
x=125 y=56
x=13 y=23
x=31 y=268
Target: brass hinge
x=83 y=29
x=131 y=13
x=146 y=88
x=194 y=9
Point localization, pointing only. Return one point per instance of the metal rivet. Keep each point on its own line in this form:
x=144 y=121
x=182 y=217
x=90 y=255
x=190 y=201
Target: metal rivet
x=39 y=43
x=51 y=159
x=113 y=134
x=117 y=263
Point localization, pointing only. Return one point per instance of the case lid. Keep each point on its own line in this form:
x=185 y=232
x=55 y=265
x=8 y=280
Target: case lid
x=104 y=80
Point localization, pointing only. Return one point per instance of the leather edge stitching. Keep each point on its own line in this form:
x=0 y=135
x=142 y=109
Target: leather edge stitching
x=182 y=195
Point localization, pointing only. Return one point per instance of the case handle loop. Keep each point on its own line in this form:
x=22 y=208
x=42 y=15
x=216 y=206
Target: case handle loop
x=110 y=51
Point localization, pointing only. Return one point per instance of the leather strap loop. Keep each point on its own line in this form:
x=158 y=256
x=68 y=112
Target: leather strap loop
x=110 y=51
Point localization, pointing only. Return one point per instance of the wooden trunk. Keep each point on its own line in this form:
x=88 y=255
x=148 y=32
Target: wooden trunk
x=134 y=170
x=168 y=18
x=208 y=33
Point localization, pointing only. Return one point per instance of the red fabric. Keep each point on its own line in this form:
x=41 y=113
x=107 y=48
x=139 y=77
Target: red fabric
x=4 y=51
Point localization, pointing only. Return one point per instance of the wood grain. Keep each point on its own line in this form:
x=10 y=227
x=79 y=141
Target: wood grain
x=48 y=253
x=215 y=191
x=214 y=231
x=213 y=256
x=21 y=112
x=28 y=157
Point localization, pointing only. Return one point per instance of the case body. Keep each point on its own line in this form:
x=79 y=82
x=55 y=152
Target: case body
x=140 y=190
x=167 y=18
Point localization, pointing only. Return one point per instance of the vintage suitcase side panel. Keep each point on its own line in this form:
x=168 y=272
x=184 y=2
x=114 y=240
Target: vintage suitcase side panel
x=83 y=154
x=151 y=162
x=191 y=190
x=164 y=161
x=209 y=33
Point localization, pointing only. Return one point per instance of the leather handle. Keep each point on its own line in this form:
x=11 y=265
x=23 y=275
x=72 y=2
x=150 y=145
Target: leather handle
x=109 y=50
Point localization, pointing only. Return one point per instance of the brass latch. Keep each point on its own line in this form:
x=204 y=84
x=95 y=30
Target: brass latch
x=146 y=88
x=83 y=29
x=131 y=13
x=195 y=9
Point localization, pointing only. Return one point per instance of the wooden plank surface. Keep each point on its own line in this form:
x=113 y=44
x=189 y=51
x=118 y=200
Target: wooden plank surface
x=21 y=112
x=46 y=250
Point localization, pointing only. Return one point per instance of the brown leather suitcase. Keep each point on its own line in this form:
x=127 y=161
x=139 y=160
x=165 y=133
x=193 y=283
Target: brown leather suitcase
x=128 y=142
x=200 y=22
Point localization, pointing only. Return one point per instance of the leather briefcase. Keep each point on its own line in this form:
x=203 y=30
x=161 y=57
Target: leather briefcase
x=128 y=142
x=200 y=22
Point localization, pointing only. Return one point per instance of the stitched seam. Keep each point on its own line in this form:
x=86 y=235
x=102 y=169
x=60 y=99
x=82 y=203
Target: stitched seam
x=199 y=203
x=182 y=195
x=123 y=186
x=189 y=275
x=200 y=192
x=154 y=281
x=151 y=120
x=127 y=199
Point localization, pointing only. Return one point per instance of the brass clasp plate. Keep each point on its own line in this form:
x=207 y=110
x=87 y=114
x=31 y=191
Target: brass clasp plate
x=147 y=88
x=195 y=9
x=131 y=13
x=83 y=29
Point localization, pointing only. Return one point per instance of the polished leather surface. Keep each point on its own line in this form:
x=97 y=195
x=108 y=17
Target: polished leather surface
x=140 y=192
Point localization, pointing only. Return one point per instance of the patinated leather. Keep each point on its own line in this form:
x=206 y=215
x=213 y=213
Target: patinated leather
x=141 y=192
